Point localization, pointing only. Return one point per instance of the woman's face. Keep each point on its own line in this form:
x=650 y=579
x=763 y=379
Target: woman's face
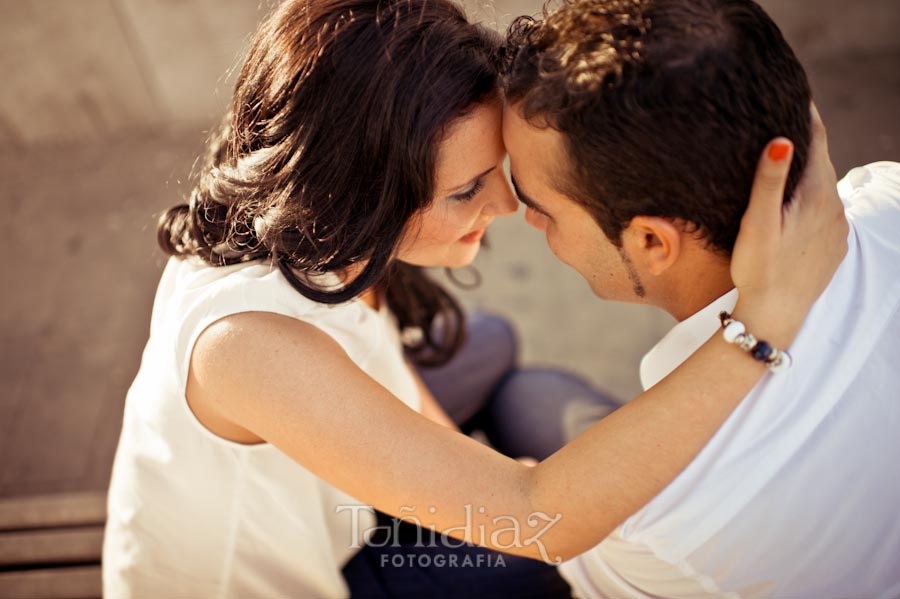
x=471 y=190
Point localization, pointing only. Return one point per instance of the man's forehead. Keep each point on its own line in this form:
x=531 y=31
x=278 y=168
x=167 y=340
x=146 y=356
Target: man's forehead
x=537 y=154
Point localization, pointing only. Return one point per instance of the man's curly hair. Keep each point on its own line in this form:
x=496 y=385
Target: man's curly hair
x=664 y=105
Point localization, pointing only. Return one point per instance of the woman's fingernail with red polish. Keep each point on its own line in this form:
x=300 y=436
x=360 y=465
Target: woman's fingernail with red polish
x=779 y=150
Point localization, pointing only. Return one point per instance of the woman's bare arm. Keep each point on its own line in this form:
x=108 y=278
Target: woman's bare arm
x=430 y=407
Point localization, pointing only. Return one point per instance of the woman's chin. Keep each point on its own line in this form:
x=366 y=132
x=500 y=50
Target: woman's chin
x=463 y=258
x=459 y=255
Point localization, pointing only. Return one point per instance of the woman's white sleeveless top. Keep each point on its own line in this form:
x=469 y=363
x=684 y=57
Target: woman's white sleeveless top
x=191 y=514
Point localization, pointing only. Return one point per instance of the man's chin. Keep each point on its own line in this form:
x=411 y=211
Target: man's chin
x=610 y=295
x=599 y=291
x=600 y=294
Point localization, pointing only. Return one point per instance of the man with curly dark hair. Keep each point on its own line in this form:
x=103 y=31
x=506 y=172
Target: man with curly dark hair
x=633 y=128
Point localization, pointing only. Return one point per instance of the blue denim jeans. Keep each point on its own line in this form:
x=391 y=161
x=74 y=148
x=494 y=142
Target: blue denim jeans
x=522 y=412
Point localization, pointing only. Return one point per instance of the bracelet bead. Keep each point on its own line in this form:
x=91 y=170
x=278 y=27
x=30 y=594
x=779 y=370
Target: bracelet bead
x=761 y=351
x=782 y=363
x=733 y=330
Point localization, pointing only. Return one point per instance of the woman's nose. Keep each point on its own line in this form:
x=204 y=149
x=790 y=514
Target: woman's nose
x=503 y=202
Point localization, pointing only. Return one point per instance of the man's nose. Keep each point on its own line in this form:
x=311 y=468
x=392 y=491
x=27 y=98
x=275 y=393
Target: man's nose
x=536 y=219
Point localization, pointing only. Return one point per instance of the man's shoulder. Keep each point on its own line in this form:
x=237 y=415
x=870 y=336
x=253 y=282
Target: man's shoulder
x=871 y=194
x=873 y=185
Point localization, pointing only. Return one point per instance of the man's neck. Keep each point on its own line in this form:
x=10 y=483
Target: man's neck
x=689 y=292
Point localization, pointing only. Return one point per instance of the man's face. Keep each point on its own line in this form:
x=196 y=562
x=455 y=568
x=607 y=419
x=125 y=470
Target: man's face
x=538 y=162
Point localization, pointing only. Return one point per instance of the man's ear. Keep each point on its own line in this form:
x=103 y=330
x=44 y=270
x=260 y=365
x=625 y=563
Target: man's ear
x=654 y=242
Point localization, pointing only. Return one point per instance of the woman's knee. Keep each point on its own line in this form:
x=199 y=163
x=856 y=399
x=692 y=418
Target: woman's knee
x=538 y=410
x=494 y=336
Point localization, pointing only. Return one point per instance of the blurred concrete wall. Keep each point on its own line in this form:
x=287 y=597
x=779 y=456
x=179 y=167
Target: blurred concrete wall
x=103 y=108
x=76 y=70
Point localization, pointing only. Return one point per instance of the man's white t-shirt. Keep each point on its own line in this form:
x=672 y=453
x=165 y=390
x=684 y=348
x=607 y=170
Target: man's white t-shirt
x=798 y=494
x=193 y=515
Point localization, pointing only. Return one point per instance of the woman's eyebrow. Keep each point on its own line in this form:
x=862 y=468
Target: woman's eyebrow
x=470 y=181
x=531 y=203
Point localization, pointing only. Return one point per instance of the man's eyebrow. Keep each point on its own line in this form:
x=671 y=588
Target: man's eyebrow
x=527 y=200
x=472 y=180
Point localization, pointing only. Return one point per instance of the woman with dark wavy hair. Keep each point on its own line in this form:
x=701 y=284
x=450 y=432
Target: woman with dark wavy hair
x=276 y=401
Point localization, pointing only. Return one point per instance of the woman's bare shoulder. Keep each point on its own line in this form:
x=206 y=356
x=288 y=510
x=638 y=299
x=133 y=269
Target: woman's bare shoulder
x=248 y=339
x=244 y=347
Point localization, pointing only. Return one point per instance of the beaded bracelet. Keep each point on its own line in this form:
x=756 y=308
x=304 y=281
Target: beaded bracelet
x=735 y=332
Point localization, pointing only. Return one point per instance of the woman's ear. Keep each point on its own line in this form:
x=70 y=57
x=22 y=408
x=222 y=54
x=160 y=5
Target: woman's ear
x=653 y=242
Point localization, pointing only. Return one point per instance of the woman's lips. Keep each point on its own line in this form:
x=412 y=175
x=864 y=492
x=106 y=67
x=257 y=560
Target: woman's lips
x=474 y=237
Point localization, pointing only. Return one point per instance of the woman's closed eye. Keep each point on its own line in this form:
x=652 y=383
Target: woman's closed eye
x=469 y=193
